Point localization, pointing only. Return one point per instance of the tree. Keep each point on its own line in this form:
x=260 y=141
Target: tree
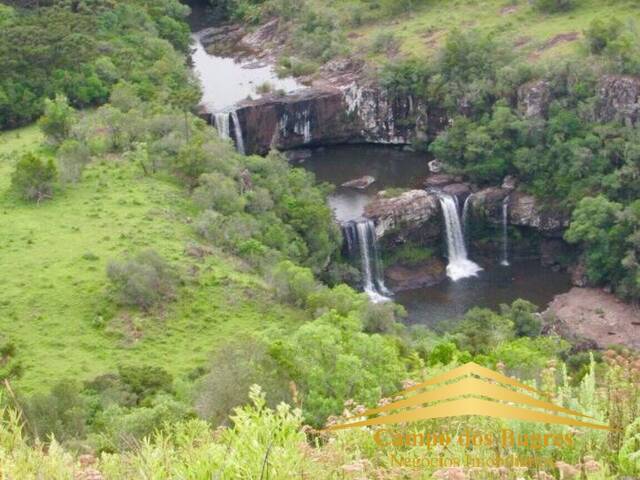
x=524 y=316
x=57 y=120
x=33 y=177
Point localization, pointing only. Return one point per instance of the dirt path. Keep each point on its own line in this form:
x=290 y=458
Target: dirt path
x=594 y=315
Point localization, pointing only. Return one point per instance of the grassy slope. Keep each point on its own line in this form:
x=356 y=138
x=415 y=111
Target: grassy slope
x=53 y=295
x=515 y=23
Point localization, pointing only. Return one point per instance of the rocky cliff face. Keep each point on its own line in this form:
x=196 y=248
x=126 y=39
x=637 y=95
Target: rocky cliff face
x=534 y=98
x=330 y=115
x=524 y=210
x=619 y=98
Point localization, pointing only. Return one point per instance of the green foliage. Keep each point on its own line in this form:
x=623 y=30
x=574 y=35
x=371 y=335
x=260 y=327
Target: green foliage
x=482 y=330
x=525 y=318
x=57 y=120
x=72 y=157
x=144 y=280
x=145 y=381
x=332 y=360
x=61 y=413
x=553 y=6
x=33 y=177
x=629 y=455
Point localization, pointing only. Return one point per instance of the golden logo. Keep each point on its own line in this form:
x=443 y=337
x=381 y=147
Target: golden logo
x=470 y=394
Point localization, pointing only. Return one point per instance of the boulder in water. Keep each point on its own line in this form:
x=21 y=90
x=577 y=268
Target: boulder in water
x=360 y=183
x=400 y=277
x=435 y=166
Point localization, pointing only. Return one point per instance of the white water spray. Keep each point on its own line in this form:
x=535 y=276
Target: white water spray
x=459 y=264
x=505 y=232
x=237 y=128
x=361 y=237
x=222 y=124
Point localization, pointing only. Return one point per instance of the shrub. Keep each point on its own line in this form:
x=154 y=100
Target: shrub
x=72 y=157
x=143 y=281
x=58 y=119
x=234 y=368
x=602 y=32
x=552 y=6
x=524 y=316
x=220 y=193
x=33 y=177
x=146 y=381
x=61 y=413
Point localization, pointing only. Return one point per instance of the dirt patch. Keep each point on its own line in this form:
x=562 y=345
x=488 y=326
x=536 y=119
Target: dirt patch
x=560 y=38
x=521 y=41
x=593 y=315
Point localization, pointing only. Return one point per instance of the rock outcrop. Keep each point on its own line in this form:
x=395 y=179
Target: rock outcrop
x=524 y=210
x=534 y=98
x=594 y=318
x=619 y=98
x=400 y=277
x=409 y=210
x=330 y=115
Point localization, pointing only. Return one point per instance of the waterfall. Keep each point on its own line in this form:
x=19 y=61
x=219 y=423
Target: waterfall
x=465 y=216
x=361 y=239
x=505 y=232
x=222 y=124
x=237 y=128
x=459 y=265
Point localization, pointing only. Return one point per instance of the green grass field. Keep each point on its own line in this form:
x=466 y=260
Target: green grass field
x=516 y=24
x=55 y=304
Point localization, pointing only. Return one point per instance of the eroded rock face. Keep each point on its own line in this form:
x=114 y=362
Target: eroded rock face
x=534 y=98
x=619 y=98
x=328 y=115
x=410 y=210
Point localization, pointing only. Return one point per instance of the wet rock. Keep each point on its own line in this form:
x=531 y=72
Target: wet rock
x=619 y=98
x=458 y=190
x=440 y=180
x=435 y=166
x=327 y=115
x=400 y=277
x=220 y=39
x=489 y=203
x=409 y=210
x=534 y=98
x=593 y=316
x=360 y=183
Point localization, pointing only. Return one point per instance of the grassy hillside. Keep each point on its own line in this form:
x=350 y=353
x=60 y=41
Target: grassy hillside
x=54 y=301
x=516 y=24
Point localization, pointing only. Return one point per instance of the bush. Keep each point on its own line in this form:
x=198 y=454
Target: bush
x=33 y=177
x=145 y=381
x=234 y=368
x=552 y=6
x=58 y=119
x=143 y=281
x=220 y=193
x=524 y=316
x=602 y=32
x=61 y=413
x=72 y=158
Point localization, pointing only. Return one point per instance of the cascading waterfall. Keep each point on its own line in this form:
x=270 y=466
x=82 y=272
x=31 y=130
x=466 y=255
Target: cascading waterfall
x=222 y=124
x=361 y=239
x=237 y=128
x=459 y=264
x=505 y=232
x=465 y=215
